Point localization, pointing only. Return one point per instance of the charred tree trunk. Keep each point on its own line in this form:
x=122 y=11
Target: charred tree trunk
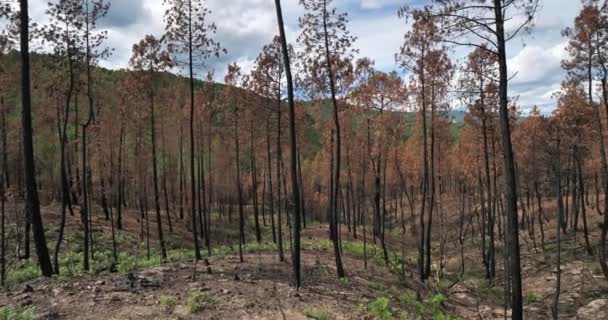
x=279 y=205
x=509 y=167
x=239 y=185
x=159 y=223
x=254 y=188
x=336 y=173
x=270 y=194
x=197 y=250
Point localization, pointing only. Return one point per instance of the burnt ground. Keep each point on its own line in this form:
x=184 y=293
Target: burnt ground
x=260 y=287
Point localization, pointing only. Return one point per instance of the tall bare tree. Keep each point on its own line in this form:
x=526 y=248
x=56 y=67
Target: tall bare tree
x=150 y=59
x=190 y=33
x=588 y=62
x=32 y=202
x=326 y=44
x=295 y=190
x=471 y=24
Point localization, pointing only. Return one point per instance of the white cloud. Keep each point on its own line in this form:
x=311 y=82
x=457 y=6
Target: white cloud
x=379 y=38
x=371 y=4
x=244 y=26
x=535 y=63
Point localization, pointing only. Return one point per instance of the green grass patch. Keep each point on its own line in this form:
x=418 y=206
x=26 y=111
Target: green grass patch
x=531 y=298
x=167 y=301
x=316 y=313
x=432 y=310
x=17 y=313
x=24 y=271
x=492 y=292
x=409 y=300
x=381 y=309
x=197 y=299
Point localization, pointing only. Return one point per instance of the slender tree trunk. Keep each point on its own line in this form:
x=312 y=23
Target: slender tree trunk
x=336 y=173
x=3 y=111
x=431 y=181
x=210 y=190
x=32 y=203
x=270 y=194
x=279 y=204
x=509 y=168
x=583 y=205
x=3 y=221
x=65 y=197
x=197 y=250
x=604 y=226
x=301 y=186
x=295 y=189
x=239 y=186
x=254 y=188
x=166 y=193
x=119 y=179
x=560 y=206
x=159 y=223
x=181 y=171
x=84 y=212
x=540 y=214
x=490 y=265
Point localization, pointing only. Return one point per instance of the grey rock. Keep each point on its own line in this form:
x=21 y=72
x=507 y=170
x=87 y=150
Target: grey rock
x=596 y=309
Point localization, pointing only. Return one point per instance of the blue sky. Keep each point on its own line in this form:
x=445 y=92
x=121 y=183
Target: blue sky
x=244 y=26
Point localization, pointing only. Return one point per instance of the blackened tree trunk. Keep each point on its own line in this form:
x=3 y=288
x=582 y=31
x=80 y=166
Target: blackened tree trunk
x=165 y=191
x=270 y=194
x=254 y=187
x=181 y=171
x=209 y=190
x=279 y=205
x=425 y=176
x=560 y=206
x=84 y=212
x=604 y=171
x=197 y=250
x=301 y=185
x=159 y=220
x=583 y=204
x=32 y=203
x=65 y=197
x=491 y=262
x=295 y=190
x=5 y=171
x=336 y=173
x=2 y=228
x=119 y=179
x=429 y=222
x=509 y=168
x=239 y=186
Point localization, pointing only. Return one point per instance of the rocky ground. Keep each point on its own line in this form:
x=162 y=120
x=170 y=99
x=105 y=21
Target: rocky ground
x=260 y=287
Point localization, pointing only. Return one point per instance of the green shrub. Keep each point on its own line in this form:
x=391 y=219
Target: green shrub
x=495 y=293
x=532 y=298
x=381 y=309
x=17 y=313
x=196 y=300
x=167 y=301
x=26 y=271
x=436 y=309
x=437 y=300
x=316 y=313
x=432 y=311
x=409 y=300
